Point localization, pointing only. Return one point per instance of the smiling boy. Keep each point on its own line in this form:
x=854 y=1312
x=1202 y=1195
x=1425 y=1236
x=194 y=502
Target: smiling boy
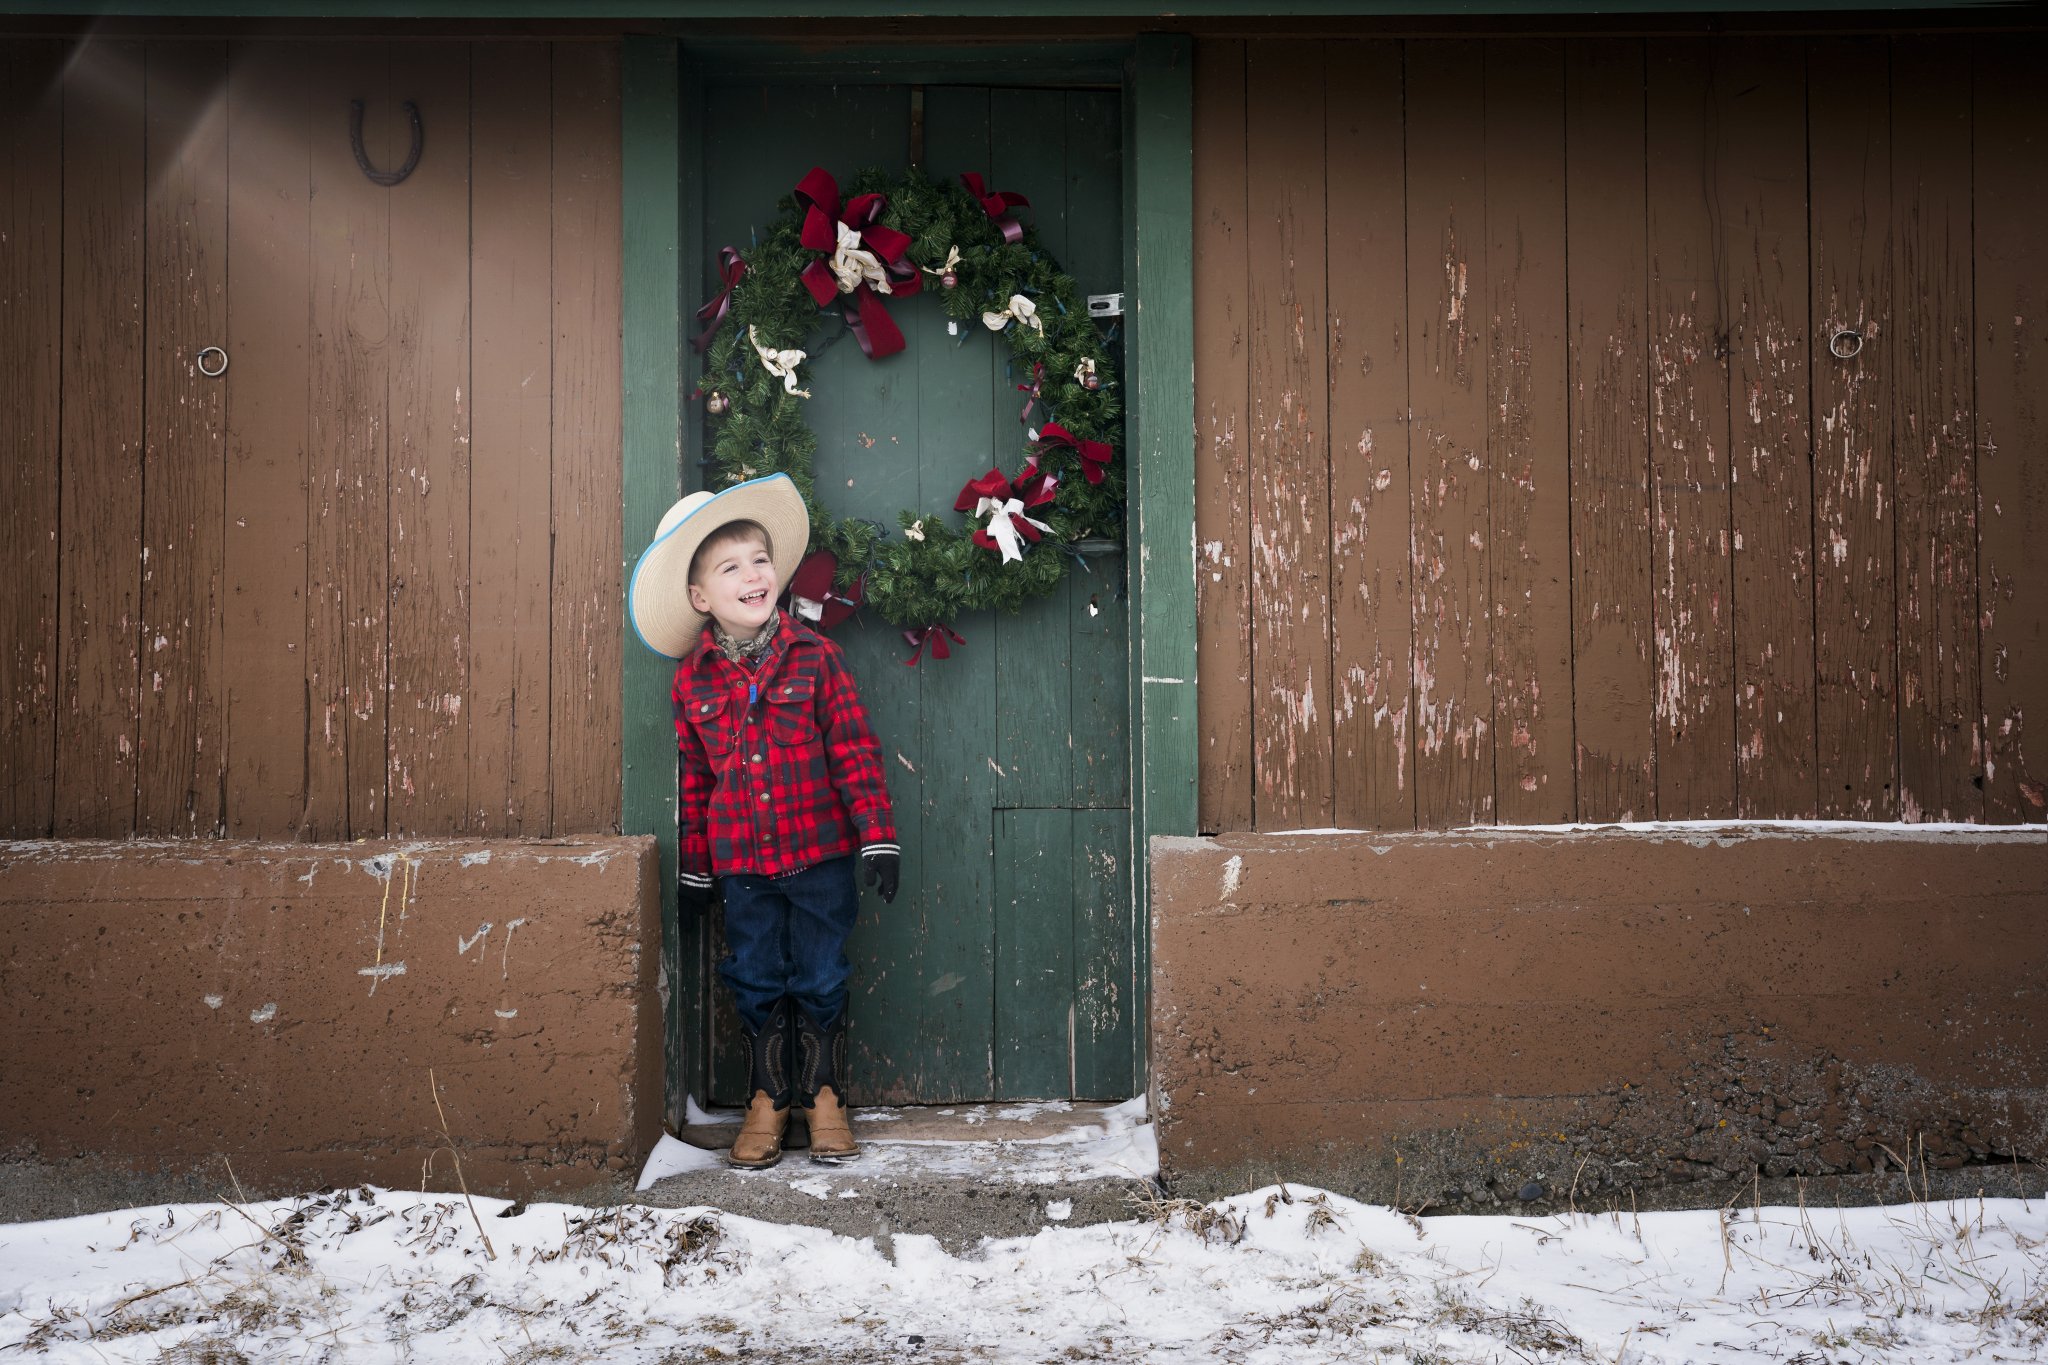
x=781 y=793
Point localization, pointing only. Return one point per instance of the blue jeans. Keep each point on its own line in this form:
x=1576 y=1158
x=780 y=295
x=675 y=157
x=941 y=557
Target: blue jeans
x=787 y=936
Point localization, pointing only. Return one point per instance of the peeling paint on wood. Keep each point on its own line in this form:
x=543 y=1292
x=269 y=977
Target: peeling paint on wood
x=1222 y=501
x=31 y=331
x=1371 y=630
x=102 y=568
x=1527 y=432
x=1934 y=432
x=1762 y=185
x=1689 y=506
x=1855 y=629
x=1449 y=549
x=1287 y=409
x=1613 y=685
x=184 y=283
x=2010 y=202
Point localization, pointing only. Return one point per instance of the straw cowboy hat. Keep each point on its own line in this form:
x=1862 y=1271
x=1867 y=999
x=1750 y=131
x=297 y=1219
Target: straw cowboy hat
x=658 y=599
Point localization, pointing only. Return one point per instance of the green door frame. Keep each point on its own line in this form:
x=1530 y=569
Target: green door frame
x=661 y=212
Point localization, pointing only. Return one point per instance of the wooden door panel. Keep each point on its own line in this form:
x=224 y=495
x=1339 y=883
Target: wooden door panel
x=1028 y=720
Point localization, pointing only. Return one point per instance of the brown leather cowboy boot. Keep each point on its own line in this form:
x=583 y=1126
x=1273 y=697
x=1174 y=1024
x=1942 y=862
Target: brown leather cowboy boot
x=820 y=1078
x=759 y=1144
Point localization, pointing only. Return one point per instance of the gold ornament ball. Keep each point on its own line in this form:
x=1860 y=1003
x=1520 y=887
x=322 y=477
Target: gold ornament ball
x=717 y=404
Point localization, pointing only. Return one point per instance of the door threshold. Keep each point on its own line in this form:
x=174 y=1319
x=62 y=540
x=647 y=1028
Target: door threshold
x=1048 y=1122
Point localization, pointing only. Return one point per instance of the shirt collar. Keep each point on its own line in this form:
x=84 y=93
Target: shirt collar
x=792 y=630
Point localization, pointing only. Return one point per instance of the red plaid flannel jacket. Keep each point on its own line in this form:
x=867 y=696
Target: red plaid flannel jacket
x=780 y=769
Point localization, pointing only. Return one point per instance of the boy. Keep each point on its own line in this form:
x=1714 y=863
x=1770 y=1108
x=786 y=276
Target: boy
x=781 y=790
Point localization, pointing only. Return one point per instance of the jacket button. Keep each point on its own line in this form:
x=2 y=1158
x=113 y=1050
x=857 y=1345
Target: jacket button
x=757 y=758
x=764 y=796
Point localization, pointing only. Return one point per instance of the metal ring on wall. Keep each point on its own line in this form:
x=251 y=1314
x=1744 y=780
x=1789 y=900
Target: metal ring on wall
x=200 y=359
x=1846 y=344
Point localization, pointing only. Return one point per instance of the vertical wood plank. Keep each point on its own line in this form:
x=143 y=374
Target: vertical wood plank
x=2010 y=133
x=1371 y=626
x=1855 y=619
x=1098 y=614
x=1689 y=507
x=1762 y=185
x=31 y=331
x=951 y=1042
x=512 y=351
x=1934 y=435
x=758 y=141
x=1447 y=291
x=429 y=440
x=1034 y=711
x=1222 y=407
x=269 y=305
x=1034 y=1044
x=101 y=498
x=1108 y=1002
x=347 y=507
x=588 y=585
x=1289 y=467
x=1528 y=453
x=1613 y=700
x=183 y=688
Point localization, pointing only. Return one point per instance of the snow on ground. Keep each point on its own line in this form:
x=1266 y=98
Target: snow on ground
x=1278 y=1275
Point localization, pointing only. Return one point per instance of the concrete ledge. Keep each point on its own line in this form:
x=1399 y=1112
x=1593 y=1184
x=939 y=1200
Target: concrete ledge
x=172 y=1006
x=1457 y=1019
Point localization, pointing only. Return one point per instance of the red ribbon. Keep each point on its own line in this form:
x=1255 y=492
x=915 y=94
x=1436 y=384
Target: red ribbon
x=730 y=269
x=866 y=316
x=998 y=205
x=935 y=636
x=1095 y=455
x=1037 y=380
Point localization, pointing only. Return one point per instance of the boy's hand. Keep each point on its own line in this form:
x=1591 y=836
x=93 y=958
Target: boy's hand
x=693 y=894
x=879 y=866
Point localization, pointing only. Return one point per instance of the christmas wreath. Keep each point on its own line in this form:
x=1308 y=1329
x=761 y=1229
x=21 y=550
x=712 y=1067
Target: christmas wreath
x=852 y=258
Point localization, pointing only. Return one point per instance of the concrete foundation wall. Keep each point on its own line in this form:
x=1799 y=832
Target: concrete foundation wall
x=171 y=1007
x=1457 y=1019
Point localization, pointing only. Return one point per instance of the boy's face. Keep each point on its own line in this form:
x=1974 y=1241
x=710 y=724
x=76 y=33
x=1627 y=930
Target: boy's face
x=735 y=584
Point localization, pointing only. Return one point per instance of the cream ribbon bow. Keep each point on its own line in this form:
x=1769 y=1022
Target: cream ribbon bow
x=781 y=364
x=1003 y=524
x=856 y=266
x=1022 y=309
x=952 y=260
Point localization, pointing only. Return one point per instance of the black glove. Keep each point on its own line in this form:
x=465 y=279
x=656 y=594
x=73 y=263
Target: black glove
x=879 y=866
x=693 y=897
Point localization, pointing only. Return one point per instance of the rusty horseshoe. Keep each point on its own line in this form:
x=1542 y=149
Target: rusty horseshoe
x=355 y=142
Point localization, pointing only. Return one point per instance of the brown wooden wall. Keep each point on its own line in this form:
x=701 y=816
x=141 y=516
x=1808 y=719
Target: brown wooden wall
x=1529 y=488
x=369 y=581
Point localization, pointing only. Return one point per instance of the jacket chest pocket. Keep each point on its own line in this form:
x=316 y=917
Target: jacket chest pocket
x=713 y=716
x=792 y=710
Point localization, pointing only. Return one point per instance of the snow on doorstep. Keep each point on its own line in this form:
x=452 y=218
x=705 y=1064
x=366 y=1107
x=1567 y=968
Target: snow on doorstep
x=1274 y=1277
x=1121 y=1145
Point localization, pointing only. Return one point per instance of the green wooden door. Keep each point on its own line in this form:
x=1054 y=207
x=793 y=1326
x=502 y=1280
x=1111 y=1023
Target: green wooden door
x=1005 y=968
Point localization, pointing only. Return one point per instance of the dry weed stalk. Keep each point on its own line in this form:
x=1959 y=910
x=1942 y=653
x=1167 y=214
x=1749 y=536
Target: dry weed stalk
x=449 y=1139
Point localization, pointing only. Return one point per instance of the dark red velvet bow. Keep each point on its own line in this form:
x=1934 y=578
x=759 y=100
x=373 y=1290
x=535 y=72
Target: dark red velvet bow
x=1095 y=455
x=730 y=269
x=1033 y=490
x=935 y=636
x=998 y=205
x=867 y=317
